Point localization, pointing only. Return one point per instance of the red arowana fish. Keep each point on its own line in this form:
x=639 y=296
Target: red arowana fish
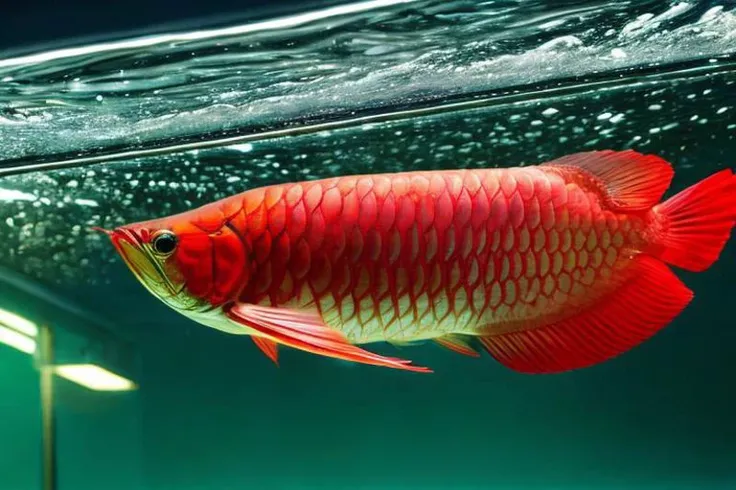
x=550 y=268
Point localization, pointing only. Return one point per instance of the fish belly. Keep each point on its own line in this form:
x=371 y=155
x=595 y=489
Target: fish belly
x=405 y=320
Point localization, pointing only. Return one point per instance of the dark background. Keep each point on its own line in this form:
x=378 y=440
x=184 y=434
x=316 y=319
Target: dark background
x=28 y=25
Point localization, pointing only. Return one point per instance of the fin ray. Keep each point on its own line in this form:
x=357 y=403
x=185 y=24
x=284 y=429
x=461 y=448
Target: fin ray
x=268 y=347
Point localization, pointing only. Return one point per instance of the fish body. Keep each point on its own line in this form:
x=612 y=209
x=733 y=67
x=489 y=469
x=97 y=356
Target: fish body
x=550 y=267
x=414 y=256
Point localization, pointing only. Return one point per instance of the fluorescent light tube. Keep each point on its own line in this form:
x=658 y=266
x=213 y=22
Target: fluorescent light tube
x=94 y=377
x=18 y=323
x=17 y=340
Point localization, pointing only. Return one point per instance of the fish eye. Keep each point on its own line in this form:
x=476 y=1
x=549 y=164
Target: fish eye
x=164 y=243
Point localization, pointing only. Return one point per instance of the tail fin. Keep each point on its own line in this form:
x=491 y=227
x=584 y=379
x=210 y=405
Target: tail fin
x=697 y=222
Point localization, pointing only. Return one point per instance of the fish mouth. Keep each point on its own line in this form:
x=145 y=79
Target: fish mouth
x=141 y=262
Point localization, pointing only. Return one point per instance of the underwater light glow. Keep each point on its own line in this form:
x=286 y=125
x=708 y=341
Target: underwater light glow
x=94 y=377
x=17 y=340
x=18 y=323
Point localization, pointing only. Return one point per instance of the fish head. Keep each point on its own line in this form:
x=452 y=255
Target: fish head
x=165 y=256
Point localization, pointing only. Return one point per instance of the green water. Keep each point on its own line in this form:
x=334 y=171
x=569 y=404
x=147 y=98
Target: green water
x=212 y=413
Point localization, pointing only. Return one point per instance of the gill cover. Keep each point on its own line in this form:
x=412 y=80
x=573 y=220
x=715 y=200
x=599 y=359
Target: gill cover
x=202 y=248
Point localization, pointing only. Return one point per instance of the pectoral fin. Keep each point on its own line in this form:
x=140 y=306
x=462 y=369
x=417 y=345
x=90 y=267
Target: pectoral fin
x=306 y=331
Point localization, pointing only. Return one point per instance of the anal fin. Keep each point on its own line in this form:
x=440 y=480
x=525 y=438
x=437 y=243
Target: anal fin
x=456 y=343
x=650 y=299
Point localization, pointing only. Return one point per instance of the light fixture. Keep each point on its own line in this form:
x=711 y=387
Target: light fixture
x=17 y=332
x=17 y=340
x=94 y=377
x=74 y=347
x=18 y=323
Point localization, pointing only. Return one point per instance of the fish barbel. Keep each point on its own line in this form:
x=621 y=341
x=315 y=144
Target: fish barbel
x=550 y=267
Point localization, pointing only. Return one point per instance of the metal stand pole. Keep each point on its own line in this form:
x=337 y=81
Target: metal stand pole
x=46 y=358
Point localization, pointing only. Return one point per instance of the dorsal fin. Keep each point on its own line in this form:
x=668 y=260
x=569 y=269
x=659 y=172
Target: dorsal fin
x=632 y=181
